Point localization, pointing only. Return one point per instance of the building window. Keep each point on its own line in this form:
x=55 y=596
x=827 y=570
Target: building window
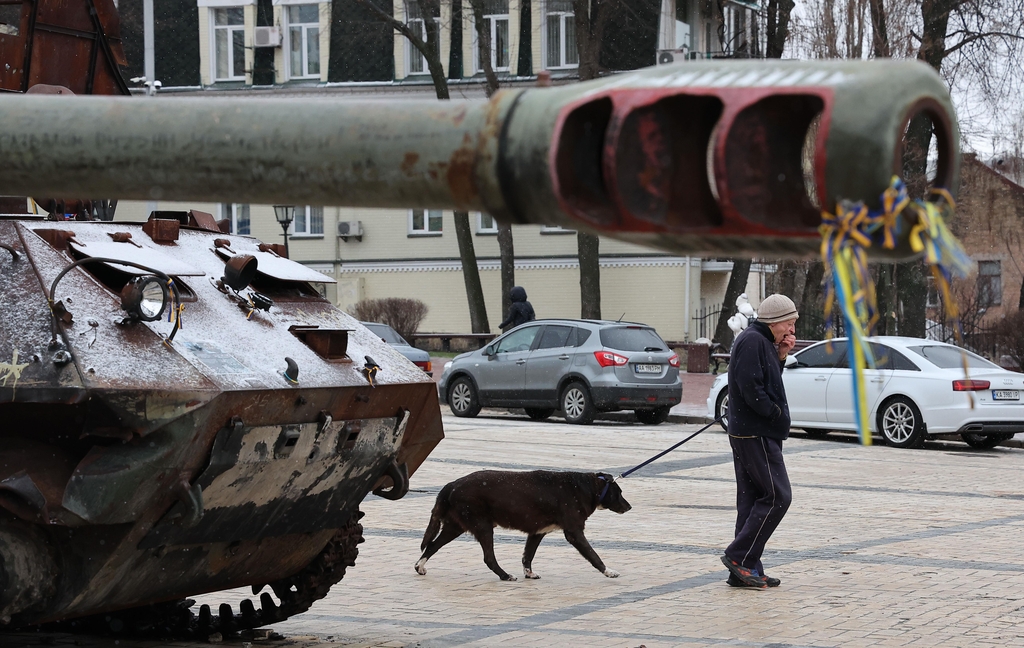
x=229 y=44
x=237 y=216
x=485 y=224
x=425 y=221
x=990 y=284
x=560 y=35
x=417 y=63
x=309 y=221
x=496 y=23
x=932 y=300
x=303 y=41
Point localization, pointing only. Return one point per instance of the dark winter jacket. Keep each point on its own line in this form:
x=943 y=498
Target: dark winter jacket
x=520 y=312
x=757 y=397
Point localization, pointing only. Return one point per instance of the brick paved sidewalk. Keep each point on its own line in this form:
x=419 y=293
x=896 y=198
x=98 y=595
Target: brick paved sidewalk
x=883 y=547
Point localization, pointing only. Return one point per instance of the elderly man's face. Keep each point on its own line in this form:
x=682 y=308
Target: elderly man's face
x=782 y=329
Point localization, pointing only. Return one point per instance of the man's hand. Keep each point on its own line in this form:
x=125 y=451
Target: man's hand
x=786 y=345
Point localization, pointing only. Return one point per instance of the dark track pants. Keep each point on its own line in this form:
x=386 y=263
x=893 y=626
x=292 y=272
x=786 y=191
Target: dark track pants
x=763 y=495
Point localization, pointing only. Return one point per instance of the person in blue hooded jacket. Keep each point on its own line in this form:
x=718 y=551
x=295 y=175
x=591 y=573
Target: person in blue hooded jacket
x=520 y=312
x=758 y=424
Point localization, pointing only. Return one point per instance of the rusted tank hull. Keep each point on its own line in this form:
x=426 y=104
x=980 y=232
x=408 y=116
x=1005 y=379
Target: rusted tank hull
x=138 y=466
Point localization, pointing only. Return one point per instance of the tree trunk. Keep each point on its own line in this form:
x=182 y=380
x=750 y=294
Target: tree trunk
x=471 y=274
x=590 y=275
x=879 y=30
x=591 y=18
x=888 y=301
x=484 y=36
x=737 y=284
x=455 y=66
x=525 y=63
x=508 y=266
x=777 y=27
x=811 y=304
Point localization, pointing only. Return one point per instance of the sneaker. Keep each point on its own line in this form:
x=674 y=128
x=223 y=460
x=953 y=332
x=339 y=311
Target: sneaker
x=768 y=580
x=749 y=577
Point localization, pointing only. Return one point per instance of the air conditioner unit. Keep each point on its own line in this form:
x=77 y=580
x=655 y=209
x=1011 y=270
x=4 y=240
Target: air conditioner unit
x=350 y=228
x=266 y=37
x=667 y=57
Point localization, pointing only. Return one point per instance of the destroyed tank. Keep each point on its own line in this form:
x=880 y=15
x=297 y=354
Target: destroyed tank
x=183 y=412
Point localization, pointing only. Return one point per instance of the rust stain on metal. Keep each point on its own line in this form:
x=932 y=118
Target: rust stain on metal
x=460 y=172
x=409 y=161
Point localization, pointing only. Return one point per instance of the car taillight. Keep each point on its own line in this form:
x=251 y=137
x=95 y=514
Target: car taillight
x=609 y=359
x=674 y=361
x=424 y=365
x=970 y=385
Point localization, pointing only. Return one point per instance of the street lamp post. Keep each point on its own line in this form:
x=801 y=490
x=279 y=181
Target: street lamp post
x=285 y=214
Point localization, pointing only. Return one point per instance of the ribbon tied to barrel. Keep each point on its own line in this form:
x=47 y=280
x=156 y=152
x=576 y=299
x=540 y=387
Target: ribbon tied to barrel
x=846 y=237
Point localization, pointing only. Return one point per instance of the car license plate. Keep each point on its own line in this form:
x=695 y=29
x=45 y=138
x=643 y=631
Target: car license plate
x=1005 y=394
x=648 y=368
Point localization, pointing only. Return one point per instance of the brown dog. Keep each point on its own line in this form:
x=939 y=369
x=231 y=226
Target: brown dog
x=535 y=503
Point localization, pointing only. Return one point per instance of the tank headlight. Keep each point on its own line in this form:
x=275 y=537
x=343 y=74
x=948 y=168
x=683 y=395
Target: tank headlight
x=144 y=298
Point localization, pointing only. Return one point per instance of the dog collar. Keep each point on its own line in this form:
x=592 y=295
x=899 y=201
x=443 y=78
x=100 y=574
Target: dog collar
x=604 y=491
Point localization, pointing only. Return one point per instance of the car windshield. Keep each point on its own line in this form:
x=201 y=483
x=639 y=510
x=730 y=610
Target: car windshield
x=950 y=357
x=387 y=333
x=631 y=338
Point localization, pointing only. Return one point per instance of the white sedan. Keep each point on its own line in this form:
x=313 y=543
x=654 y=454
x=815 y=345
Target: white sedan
x=916 y=390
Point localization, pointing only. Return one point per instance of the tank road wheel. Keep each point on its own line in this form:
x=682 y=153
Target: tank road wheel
x=900 y=423
x=174 y=619
x=463 y=399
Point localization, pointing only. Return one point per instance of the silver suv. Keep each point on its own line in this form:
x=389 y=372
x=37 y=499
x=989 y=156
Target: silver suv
x=580 y=367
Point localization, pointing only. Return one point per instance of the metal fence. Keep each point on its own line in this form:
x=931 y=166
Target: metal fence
x=705 y=321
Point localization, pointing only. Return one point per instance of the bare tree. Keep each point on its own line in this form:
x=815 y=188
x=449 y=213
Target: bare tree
x=429 y=11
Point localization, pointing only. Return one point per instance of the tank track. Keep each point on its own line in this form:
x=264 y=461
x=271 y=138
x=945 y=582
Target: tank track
x=175 y=619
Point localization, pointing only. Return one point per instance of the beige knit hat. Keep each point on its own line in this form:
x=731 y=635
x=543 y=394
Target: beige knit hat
x=776 y=308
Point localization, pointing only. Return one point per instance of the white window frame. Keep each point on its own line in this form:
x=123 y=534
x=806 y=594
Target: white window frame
x=232 y=212
x=214 y=29
x=426 y=230
x=411 y=53
x=305 y=26
x=564 y=41
x=492 y=20
x=304 y=219
x=486 y=224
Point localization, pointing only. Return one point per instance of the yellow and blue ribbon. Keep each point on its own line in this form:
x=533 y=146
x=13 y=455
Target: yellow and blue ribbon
x=846 y=237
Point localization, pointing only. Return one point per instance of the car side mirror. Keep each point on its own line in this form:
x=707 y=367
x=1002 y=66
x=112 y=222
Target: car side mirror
x=791 y=361
x=489 y=352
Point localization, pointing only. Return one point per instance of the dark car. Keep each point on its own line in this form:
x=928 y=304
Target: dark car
x=418 y=357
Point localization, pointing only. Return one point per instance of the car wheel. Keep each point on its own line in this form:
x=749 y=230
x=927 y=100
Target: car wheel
x=900 y=423
x=539 y=413
x=576 y=404
x=817 y=433
x=722 y=409
x=984 y=441
x=652 y=416
x=462 y=398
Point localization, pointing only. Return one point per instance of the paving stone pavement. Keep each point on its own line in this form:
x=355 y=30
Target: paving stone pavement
x=882 y=547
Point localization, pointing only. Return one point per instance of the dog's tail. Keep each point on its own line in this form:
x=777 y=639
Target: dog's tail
x=436 y=515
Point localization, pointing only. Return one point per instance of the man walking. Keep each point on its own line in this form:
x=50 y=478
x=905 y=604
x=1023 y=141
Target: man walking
x=758 y=424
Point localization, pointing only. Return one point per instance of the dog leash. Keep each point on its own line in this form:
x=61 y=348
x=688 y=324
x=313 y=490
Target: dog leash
x=662 y=454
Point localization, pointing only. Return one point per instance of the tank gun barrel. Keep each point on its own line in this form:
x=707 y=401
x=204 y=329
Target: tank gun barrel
x=732 y=156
